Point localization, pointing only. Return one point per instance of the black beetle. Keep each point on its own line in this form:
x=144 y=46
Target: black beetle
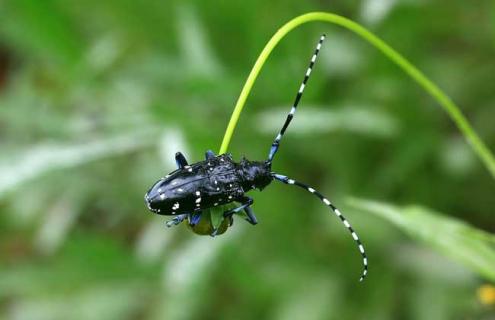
x=218 y=180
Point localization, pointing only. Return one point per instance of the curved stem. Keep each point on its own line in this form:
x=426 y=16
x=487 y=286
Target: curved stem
x=448 y=105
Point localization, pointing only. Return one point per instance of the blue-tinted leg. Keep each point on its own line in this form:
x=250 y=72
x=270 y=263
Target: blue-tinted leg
x=194 y=218
x=251 y=218
x=180 y=160
x=209 y=155
x=176 y=220
x=246 y=202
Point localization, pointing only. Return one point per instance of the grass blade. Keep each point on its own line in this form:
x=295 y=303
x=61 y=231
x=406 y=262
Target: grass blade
x=472 y=247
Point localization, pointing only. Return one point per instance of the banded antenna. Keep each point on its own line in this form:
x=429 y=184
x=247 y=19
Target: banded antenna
x=337 y=212
x=276 y=143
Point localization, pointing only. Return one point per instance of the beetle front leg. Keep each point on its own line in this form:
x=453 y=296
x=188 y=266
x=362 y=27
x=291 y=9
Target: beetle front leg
x=246 y=203
x=251 y=218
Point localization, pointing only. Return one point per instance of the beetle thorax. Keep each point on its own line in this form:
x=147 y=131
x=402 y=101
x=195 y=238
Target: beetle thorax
x=255 y=174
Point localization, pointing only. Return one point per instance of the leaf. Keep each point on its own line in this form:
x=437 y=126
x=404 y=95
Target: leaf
x=472 y=247
x=45 y=157
x=217 y=215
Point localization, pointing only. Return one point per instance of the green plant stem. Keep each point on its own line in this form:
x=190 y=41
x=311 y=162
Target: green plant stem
x=448 y=105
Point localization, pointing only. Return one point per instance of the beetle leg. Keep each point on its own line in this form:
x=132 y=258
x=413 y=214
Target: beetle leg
x=180 y=160
x=246 y=203
x=231 y=222
x=251 y=217
x=209 y=155
x=176 y=220
x=194 y=218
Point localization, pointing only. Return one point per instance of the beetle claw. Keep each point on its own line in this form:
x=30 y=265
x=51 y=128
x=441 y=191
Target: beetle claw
x=214 y=233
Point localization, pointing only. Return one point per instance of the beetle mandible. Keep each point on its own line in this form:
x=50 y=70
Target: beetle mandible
x=219 y=180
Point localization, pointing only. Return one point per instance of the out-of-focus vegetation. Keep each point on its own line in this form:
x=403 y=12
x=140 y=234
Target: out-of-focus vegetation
x=97 y=96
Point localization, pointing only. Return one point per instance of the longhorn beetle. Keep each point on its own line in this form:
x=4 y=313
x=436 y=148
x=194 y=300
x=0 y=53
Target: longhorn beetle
x=218 y=180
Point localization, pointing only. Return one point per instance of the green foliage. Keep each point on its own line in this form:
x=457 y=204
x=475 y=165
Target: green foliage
x=451 y=237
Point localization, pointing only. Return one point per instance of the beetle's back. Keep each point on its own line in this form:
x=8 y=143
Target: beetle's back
x=202 y=185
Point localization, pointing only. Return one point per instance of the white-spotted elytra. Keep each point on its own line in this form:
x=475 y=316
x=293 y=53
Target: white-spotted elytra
x=218 y=180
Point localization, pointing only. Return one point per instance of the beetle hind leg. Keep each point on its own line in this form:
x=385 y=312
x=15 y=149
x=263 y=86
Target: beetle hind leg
x=176 y=220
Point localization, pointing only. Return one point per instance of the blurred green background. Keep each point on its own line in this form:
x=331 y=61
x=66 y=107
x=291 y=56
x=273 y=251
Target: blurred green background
x=97 y=96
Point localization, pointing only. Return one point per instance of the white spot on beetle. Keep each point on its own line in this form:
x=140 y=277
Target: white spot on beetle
x=230 y=184
x=162 y=196
x=326 y=201
x=180 y=189
x=291 y=181
x=218 y=189
x=198 y=193
x=190 y=169
x=338 y=212
x=216 y=182
x=230 y=197
x=215 y=204
x=311 y=190
x=159 y=189
x=198 y=200
x=198 y=204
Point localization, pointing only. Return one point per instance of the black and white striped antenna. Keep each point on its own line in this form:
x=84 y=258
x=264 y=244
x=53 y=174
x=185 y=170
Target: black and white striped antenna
x=335 y=210
x=276 y=143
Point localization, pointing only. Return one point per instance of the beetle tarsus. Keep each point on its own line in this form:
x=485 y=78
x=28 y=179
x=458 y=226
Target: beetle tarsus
x=176 y=220
x=214 y=233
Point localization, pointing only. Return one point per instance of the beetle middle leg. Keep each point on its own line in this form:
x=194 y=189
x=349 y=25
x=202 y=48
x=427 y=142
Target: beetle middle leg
x=176 y=220
x=180 y=160
x=194 y=218
x=209 y=155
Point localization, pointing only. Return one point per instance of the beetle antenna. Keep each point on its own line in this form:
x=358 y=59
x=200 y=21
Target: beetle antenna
x=276 y=143
x=287 y=180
